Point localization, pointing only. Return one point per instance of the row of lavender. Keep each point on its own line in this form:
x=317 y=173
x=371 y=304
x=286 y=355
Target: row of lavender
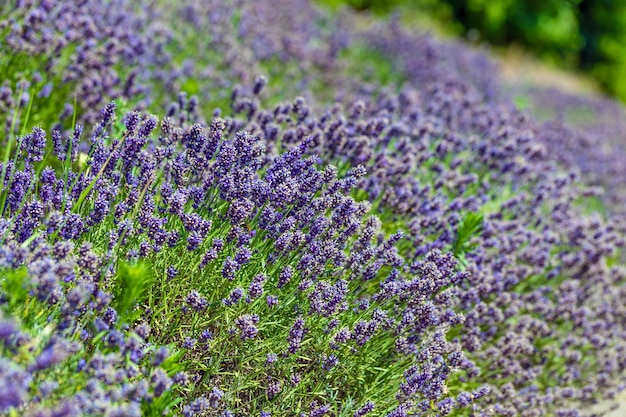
x=411 y=252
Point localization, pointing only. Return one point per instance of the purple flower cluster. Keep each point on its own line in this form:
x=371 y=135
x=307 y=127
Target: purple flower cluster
x=419 y=252
x=329 y=243
x=37 y=366
x=101 y=52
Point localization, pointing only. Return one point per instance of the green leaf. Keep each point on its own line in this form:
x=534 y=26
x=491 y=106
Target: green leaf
x=472 y=225
x=15 y=286
x=133 y=281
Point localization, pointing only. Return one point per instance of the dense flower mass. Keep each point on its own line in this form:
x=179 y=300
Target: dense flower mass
x=377 y=245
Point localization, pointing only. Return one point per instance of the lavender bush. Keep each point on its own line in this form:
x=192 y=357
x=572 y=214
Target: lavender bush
x=387 y=242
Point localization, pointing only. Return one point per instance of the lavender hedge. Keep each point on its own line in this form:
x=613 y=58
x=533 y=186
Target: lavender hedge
x=257 y=208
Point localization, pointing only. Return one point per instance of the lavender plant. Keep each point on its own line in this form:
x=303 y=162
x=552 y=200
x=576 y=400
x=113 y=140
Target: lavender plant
x=254 y=270
x=64 y=54
x=415 y=248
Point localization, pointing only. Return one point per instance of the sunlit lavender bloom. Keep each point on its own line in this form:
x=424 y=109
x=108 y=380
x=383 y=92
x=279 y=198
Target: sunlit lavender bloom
x=235 y=295
x=272 y=300
x=14 y=384
x=206 y=335
x=274 y=388
x=271 y=358
x=330 y=362
x=107 y=113
x=367 y=408
x=196 y=301
x=160 y=355
x=259 y=83
x=296 y=334
x=400 y=411
x=247 y=326
x=327 y=299
x=73 y=227
x=33 y=145
x=197 y=407
x=446 y=406
x=255 y=290
x=7 y=329
x=189 y=343
x=215 y=397
x=463 y=399
x=160 y=382
x=171 y=272
x=56 y=351
x=21 y=184
x=58 y=145
x=181 y=378
x=240 y=210
x=285 y=276
x=243 y=255
x=229 y=268
x=209 y=256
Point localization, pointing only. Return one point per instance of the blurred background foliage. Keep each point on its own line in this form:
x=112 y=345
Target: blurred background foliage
x=581 y=35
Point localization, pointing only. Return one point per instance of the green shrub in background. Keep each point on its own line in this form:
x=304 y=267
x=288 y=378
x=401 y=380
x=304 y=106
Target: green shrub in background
x=603 y=27
x=546 y=27
x=588 y=35
x=376 y=6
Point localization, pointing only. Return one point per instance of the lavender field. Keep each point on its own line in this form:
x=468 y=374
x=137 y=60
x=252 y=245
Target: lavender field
x=262 y=208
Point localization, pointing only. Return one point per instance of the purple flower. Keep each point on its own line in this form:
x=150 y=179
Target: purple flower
x=14 y=383
x=7 y=329
x=171 y=272
x=107 y=113
x=160 y=382
x=215 y=397
x=33 y=145
x=285 y=276
x=399 y=411
x=319 y=411
x=274 y=387
x=327 y=299
x=21 y=185
x=110 y=316
x=330 y=362
x=73 y=227
x=367 y=408
x=206 y=335
x=143 y=330
x=229 y=268
x=259 y=83
x=193 y=241
x=240 y=210
x=189 y=343
x=296 y=335
x=247 y=326
x=446 y=406
x=45 y=91
x=272 y=300
x=271 y=358
x=463 y=399
x=243 y=255
x=196 y=407
x=56 y=351
x=196 y=301
x=160 y=355
x=234 y=297
x=255 y=290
